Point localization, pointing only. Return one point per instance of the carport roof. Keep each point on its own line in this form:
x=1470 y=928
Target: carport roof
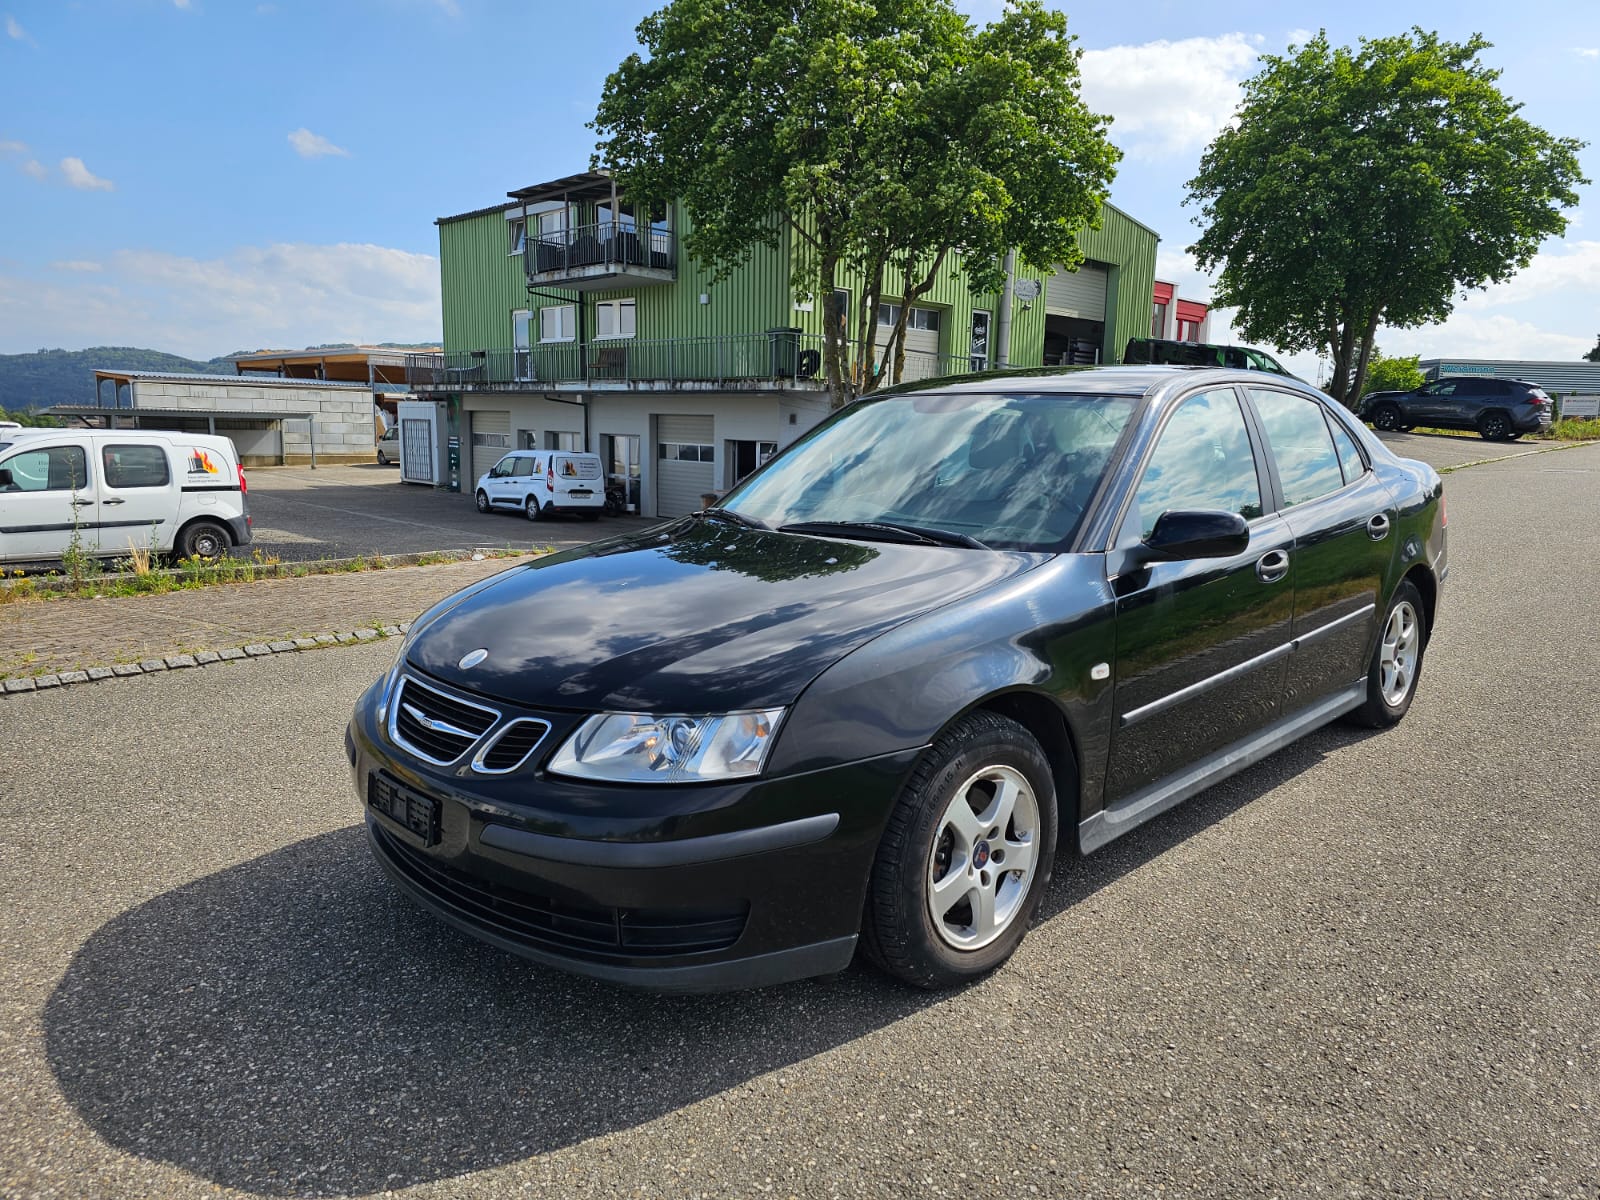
x=94 y=410
x=234 y=380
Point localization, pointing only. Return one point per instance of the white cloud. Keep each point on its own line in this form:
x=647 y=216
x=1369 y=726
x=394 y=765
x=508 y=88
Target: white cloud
x=79 y=176
x=184 y=4
x=1587 y=51
x=1168 y=97
x=313 y=145
x=1472 y=334
x=15 y=31
x=1575 y=267
x=449 y=7
x=281 y=295
x=34 y=168
x=13 y=147
x=82 y=266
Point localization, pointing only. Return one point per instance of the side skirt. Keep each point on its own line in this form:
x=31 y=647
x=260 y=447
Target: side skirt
x=1111 y=823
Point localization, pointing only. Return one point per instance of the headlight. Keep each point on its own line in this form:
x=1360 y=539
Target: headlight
x=650 y=748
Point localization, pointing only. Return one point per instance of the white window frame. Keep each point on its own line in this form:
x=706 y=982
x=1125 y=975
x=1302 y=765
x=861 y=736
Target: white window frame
x=517 y=230
x=553 y=224
x=615 y=319
x=566 y=323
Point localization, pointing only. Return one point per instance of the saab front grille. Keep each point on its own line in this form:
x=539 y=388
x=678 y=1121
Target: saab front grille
x=509 y=748
x=435 y=726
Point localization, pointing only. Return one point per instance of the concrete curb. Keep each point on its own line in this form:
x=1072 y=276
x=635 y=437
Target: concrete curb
x=17 y=686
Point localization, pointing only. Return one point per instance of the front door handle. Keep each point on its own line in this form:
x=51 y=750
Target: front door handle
x=117 y=501
x=1272 y=566
x=1378 y=527
x=80 y=502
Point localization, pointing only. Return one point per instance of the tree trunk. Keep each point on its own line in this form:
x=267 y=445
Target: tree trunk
x=1359 y=382
x=1343 y=353
x=833 y=358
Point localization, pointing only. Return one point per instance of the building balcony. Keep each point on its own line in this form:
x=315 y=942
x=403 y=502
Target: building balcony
x=773 y=360
x=602 y=256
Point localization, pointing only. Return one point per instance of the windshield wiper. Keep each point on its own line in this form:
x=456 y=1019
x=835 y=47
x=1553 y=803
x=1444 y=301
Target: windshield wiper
x=910 y=534
x=737 y=518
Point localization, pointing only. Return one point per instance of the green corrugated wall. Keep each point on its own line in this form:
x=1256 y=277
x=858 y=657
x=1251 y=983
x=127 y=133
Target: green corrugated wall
x=1129 y=249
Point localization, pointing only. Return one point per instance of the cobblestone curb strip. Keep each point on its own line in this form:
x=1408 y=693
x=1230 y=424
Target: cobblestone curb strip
x=201 y=658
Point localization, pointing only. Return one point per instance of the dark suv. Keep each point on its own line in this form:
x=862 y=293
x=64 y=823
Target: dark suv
x=1499 y=409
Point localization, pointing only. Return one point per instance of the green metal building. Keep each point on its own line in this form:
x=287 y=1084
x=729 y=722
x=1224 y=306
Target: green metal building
x=572 y=321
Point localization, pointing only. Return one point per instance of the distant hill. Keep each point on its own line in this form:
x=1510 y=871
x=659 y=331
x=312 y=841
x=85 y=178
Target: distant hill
x=50 y=377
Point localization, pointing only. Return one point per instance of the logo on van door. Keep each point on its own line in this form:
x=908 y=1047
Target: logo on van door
x=201 y=463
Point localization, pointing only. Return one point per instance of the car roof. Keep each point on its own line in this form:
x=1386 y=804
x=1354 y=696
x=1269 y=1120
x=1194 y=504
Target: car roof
x=1136 y=380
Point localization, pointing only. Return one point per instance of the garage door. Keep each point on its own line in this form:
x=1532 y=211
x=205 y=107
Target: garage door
x=921 y=340
x=1080 y=293
x=685 y=464
x=491 y=438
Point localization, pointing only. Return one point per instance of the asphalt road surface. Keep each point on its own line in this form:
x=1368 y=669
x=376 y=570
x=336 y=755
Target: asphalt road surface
x=1369 y=966
x=341 y=512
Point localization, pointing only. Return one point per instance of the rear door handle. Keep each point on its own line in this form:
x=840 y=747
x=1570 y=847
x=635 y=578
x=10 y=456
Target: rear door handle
x=1272 y=566
x=1378 y=527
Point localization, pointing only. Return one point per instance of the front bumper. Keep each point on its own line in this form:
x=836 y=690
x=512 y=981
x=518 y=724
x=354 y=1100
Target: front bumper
x=671 y=888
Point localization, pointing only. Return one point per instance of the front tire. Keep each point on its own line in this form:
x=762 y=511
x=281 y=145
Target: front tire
x=483 y=500
x=966 y=855
x=531 y=508
x=1396 y=662
x=204 y=539
x=1386 y=417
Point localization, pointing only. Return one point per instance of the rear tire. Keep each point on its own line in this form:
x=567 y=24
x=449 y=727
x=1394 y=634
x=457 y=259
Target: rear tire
x=1396 y=661
x=483 y=500
x=966 y=855
x=1494 y=427
x=204 y=539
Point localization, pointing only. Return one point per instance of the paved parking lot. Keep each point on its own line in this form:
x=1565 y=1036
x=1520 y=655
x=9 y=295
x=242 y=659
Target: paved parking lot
x=1369 y=966
x=340 y=512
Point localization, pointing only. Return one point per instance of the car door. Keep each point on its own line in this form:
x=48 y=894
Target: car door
x=1343 y=520
x=521 y=481
x=497 y=484
x=1431 y=403
x=1202 y=644
x=138 y=503
x=50 y=505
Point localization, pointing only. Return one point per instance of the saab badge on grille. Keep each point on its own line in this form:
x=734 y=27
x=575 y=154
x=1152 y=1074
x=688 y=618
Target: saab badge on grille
x=472 y=658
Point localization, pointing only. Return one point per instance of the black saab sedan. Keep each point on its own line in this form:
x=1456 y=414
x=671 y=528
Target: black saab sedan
x=868 y=699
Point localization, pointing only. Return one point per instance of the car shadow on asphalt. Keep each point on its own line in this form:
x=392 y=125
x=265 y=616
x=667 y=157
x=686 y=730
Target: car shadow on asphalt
x=293 y=1026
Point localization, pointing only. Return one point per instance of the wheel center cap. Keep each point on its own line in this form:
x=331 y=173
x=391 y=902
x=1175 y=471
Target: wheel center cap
x=980 y=855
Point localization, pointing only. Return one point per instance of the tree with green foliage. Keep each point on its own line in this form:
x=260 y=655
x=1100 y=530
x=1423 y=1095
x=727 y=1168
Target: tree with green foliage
x=1386 y=374
x=1594 y=355
x=883 y=139
x=27 y=417
x=1368 y=186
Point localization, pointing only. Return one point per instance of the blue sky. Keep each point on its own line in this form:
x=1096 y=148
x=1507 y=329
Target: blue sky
x=209 y=175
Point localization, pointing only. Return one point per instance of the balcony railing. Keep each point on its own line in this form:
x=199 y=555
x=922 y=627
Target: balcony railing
x=607 y=245
x=781 y=357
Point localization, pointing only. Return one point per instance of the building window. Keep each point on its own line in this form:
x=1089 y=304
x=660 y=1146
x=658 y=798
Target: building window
x=553 y=225
x=558 y=323
x=614 y=319
x=518 y=231
x=1188 y=331
x=555 y=439
x=1158 y=320
x=921 y=318
x=686 y=452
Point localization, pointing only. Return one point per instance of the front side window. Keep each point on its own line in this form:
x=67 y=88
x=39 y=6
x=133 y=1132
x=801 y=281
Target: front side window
x=1013 y=471
x=1201 y=462
x=48 y=469
x=135 y=466
x=1297 y=432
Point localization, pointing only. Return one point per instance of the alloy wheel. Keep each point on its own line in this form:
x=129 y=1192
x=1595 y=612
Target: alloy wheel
x=985 y=853
x=1397 y=660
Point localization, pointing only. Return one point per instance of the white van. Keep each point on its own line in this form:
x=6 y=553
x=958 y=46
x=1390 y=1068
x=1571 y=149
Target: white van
x=542 y=482
x=113 y=490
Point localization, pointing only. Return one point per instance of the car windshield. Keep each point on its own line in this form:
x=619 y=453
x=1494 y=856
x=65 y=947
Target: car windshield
x=1004 y=471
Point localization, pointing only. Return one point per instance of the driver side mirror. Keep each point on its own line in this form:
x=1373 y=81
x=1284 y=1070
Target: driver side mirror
x=1179 y=536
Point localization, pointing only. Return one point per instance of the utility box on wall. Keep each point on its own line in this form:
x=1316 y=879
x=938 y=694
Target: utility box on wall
x=422 y=432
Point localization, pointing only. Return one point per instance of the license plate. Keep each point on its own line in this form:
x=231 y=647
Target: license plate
x=406 y=808
x=580 y=492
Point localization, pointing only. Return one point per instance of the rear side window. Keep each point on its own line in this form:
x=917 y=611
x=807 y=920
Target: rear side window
x=1297 y=432
x=135 y=466
x=1349 y=457
x=1203 y=460
x=49 y=469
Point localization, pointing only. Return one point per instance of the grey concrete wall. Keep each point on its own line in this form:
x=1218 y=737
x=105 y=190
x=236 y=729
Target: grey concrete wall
x=343 y=421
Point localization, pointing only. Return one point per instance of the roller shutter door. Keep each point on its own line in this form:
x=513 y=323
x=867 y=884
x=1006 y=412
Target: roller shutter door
x=491 y=438
x=685 y=463
x=1080 y=293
